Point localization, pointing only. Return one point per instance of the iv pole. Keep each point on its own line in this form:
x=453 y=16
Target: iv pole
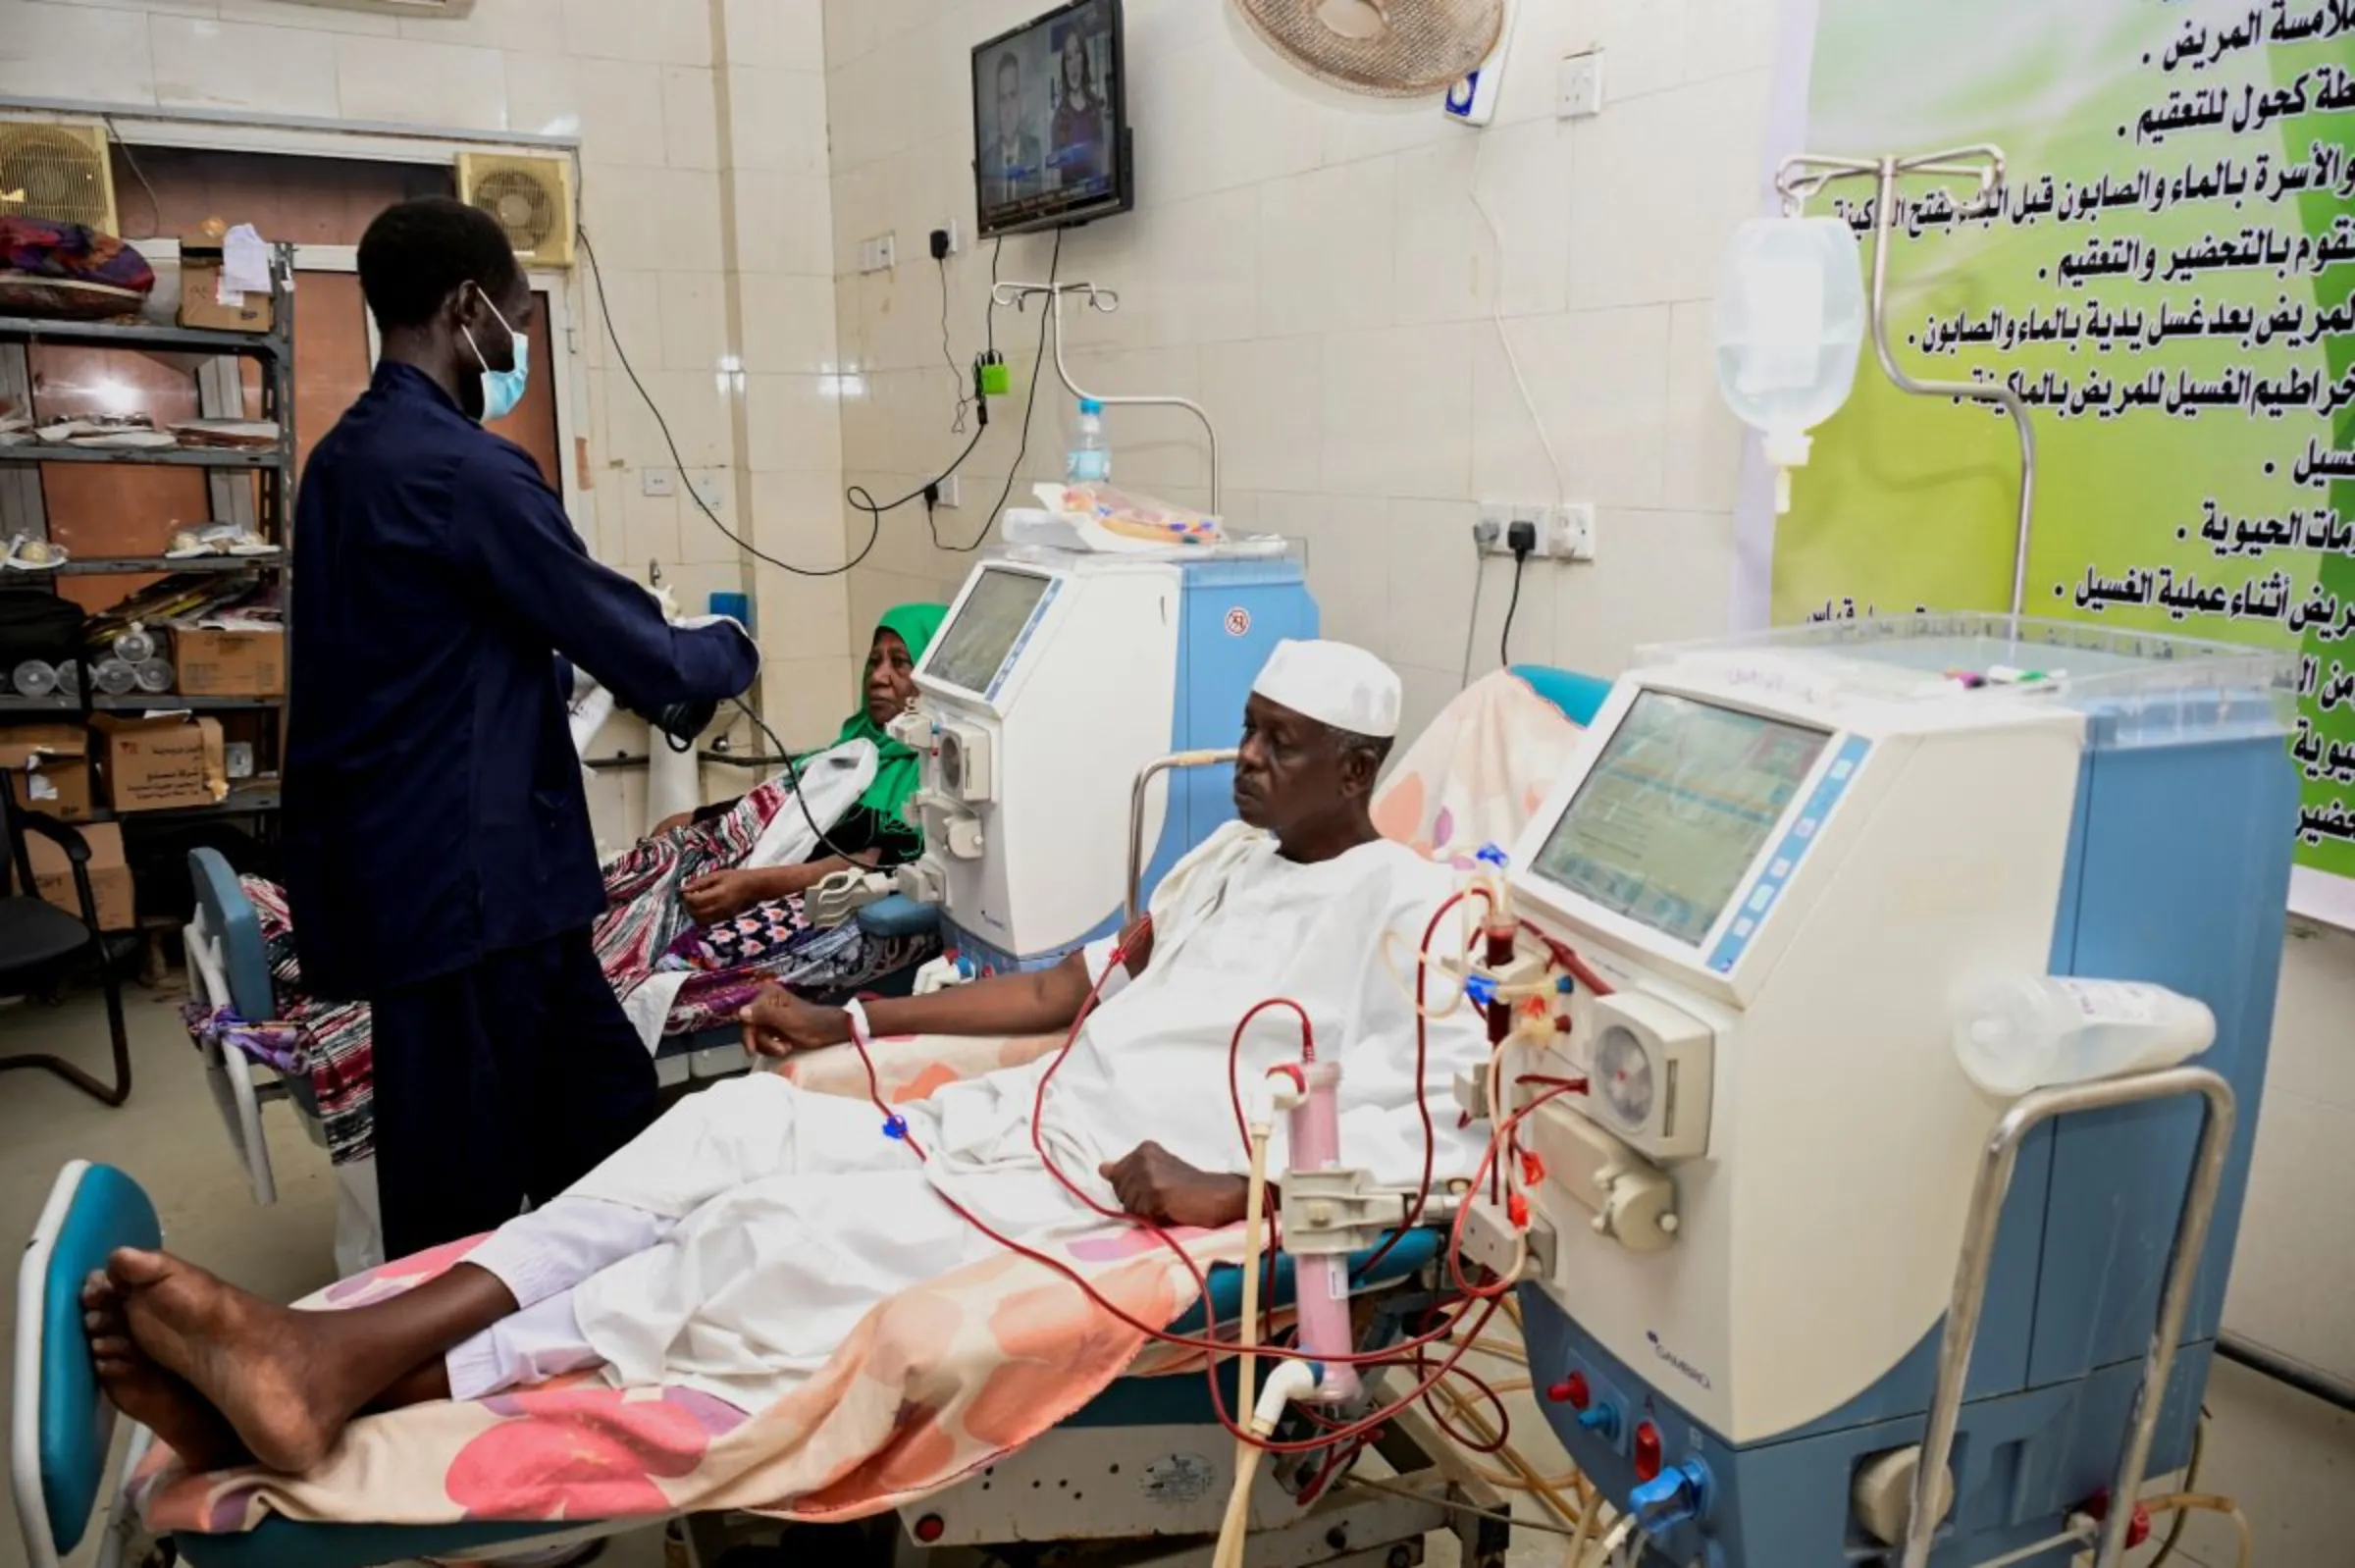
x=1105 y=301
x=1802 y=176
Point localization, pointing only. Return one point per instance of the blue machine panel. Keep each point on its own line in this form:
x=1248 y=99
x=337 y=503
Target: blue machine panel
x=2201 y=913
x=1231 y=617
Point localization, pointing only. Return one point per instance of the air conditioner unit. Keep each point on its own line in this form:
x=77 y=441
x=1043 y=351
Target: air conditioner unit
x=531 y=197
x=58 y=172
x=398 y=8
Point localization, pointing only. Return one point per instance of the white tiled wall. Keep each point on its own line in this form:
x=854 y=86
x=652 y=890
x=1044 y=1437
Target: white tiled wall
x=1314 y=269
x=703 y=137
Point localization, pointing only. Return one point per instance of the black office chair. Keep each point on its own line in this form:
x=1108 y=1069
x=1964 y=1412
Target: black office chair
x=39 y=942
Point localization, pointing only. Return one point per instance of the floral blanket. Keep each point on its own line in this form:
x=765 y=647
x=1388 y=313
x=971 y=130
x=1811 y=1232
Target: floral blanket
x=935 y=1383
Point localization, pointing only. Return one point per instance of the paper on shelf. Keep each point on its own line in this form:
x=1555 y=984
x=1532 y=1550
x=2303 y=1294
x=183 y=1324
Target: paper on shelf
x=245 y=263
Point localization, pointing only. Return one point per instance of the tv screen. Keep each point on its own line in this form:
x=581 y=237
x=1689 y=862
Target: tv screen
x=1051 y=121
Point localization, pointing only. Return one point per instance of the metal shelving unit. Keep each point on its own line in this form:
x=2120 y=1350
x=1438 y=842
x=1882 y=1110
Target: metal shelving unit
x=214 y=361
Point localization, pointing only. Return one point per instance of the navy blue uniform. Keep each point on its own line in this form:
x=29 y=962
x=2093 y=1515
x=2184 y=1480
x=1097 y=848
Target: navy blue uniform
x=439 y=863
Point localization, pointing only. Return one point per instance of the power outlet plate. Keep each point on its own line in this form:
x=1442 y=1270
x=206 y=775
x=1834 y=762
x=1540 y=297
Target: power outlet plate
x=1573 y=531
x=1563 y=532
x=1581 y=92
x=879 y=254
x=956 y=239
x=658 y=482
x=952 y=494
x=712 y=491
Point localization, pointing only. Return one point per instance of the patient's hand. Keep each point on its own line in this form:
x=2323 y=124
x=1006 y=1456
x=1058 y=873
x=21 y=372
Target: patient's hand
x=779 y=1024
x=1155 y=1185
x=717 y=896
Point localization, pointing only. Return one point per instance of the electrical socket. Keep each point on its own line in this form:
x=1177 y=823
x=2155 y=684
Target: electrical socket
x=1573 y=531
x=710 y=490
x=946 y=242
x=658 y=482
x=879 y=254
x=1581 y=94
x=949 y=493
x=1560 y=533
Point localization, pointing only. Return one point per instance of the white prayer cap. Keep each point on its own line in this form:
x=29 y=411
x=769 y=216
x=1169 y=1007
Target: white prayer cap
x=1336 y=683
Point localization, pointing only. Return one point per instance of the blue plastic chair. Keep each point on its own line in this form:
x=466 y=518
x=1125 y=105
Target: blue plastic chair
x=60 y=1426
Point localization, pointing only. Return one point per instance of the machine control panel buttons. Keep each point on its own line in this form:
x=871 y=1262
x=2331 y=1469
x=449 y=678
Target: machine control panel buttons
x=1647 y=1451
x=1675 y=1496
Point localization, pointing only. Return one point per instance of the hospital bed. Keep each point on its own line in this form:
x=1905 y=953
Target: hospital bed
x=1145 y=1458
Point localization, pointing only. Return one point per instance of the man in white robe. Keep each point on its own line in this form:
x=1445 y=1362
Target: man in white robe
x=733 y=1246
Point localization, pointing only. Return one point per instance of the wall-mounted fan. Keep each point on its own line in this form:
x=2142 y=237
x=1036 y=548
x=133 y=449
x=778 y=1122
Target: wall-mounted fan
x=531 y=197
x=57 y=172
x=1382 y=48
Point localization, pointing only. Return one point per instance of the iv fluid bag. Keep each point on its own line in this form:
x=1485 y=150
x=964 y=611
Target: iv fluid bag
x=1790 y=326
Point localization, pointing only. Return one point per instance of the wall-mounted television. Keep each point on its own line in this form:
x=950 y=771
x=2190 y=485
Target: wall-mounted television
x=1051 y=121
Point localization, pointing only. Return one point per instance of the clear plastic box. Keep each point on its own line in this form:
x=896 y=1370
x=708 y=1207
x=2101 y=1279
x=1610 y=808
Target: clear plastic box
x=2134 y=688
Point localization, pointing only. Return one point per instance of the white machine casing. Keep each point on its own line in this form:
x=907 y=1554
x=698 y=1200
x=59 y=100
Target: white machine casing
x=1029 y=846
x=1819 y=1203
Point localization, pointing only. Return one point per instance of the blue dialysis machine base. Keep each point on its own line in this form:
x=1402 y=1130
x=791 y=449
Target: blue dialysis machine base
x=1787 y=858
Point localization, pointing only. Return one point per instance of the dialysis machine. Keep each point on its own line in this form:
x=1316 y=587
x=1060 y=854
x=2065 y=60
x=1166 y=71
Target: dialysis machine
x=1059 y=678
x=1786 y=858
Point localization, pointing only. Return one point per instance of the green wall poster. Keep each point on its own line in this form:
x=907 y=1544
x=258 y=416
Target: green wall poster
x=2168 y=276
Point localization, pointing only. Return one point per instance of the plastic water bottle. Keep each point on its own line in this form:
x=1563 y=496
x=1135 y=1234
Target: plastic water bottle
x=1790 y=326
x=114 y=677
x=2024 y=1034
x=1090 y=459
x=33 y=678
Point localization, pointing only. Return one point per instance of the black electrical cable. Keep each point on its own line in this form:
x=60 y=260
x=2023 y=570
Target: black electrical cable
x=792 y=773
x=605 y=309
x=1504 y=643
x=1038 y=373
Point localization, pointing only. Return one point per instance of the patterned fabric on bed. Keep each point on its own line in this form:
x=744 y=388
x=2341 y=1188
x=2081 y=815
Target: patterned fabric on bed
x=329 y=1041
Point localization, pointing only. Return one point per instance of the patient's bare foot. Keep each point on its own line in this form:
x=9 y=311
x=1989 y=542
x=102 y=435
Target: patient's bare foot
x=253 y=1361
x=159 y=1401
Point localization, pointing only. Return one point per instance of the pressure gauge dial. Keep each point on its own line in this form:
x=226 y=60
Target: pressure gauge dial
x=1623 y=1077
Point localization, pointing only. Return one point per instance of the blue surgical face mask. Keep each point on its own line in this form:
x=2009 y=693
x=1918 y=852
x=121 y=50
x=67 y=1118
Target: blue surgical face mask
x=502 y=389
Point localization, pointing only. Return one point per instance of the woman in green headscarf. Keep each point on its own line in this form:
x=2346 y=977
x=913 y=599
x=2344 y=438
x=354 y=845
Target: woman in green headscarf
x=877 y=830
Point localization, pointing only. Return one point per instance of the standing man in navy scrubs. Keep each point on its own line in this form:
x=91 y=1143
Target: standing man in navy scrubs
x=438 y=858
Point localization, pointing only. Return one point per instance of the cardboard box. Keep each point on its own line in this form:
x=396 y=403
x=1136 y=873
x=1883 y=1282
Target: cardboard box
x=110 y=876
x=200 y=300
x=213 y=663
x=161 y=765
x=48 y=767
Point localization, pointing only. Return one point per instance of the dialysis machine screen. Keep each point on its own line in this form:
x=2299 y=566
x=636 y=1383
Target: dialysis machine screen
x=1676 y=810
x=974 y=647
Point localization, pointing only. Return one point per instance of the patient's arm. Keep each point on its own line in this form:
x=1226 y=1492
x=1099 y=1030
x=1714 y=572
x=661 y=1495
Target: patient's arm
x=720 y=895
x=779 y=1023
